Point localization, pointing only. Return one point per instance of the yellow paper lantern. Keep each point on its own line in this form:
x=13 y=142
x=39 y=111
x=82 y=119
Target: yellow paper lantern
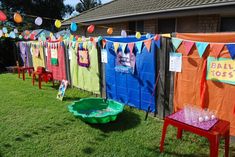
x=18 y=18
x=110 y=31
x=138 y=35
x=6 y=35
x=57 y=23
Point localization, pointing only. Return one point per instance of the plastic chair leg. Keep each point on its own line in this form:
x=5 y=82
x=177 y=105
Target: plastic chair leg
x=179 y=133
x=227 y=140
x=163 y=135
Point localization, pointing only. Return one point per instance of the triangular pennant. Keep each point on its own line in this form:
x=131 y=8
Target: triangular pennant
x=104 y=43
x=139 y=46
x=123 y=45
x=85 y=45
x=116 y=46
x=215 y=49
x=188 y=46
x=147 y=44
x=176 y=42
x=201 y=47
x=131 y=46
x=231 y=49
x=158 y=43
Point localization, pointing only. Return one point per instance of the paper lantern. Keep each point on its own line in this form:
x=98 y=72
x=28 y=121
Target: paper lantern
x=73 y=27
x=110 y=31
x=1 y=33
x=18 y=18
x=3 y=16
x=20 y=36
x=148 y=35
x=6 y=35
x=124 y=34
x=91 y=39
x=57 y=23
x=38 y=21
x=4 y=29
x=16 y=30
x=138 y=35
x=12 y=35
x=99 y=38
x=91 y=29
x=32 y=36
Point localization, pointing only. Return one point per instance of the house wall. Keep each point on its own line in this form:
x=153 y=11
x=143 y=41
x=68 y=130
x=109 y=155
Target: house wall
x=188 y=24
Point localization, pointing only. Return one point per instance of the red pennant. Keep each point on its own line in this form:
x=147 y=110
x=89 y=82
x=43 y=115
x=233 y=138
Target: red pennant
x=156 y=37
x=148 y=44
x=104 y=43
x=216 y=49
x=131 y=46
x=188 y=46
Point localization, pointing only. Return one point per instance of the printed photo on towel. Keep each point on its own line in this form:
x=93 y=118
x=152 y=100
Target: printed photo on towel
x=125 y=62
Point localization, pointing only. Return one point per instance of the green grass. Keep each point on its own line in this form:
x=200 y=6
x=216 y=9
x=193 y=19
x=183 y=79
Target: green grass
x=34 y=123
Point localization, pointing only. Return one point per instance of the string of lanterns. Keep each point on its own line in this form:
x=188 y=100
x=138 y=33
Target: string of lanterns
x=73 y=26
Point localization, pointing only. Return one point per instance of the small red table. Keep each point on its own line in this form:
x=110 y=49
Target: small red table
x=42 y=76
x=23 y=69
x=219 y=130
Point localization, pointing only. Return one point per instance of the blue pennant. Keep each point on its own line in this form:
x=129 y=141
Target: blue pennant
x=158 y=43
x=201 y=47
x=139 y=46
x=176 y=42
x=231 y=49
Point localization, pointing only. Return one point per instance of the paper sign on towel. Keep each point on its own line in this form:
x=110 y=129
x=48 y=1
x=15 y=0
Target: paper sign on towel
x=63 y=87
x=175 y=62
x=221 y=70
x=104 y=56
x=54 y=56
x=83 y=58
x=125 y=62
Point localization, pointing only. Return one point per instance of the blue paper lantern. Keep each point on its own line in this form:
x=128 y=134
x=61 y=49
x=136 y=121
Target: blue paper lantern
x=73 y=27
x=12 y=35
x=148 y=35
x=4 y=29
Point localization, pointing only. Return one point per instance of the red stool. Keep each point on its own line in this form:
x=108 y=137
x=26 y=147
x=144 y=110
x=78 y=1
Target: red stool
x=219 y=130
x=23 y=70
x=43 y=75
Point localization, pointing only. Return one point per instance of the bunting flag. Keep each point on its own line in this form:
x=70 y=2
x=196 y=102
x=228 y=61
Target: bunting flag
x=147 y=44
x=116 y=46
x=231 y=49
x=158 y=42
x=131 y=47
x=201 y=47
x=85 y=45
x=166 y=35
x=123 y=45
x=216 y=49
x=139 y=46
x=188 y=46
x=176 y=42
x=104 y=43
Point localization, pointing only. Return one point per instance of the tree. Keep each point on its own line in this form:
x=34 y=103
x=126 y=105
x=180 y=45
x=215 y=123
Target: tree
x=84 y=5
x=54 y=9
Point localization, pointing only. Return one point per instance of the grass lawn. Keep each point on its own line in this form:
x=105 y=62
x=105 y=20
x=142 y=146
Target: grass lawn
x=34 y=123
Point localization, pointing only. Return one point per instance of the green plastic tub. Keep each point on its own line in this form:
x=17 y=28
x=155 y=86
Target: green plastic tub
x=96 y=110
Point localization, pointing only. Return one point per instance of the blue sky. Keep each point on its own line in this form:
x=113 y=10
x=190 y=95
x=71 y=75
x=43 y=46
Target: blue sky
x=74 y=2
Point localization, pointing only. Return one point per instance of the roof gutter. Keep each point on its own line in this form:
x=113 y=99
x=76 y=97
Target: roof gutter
x=161 y=11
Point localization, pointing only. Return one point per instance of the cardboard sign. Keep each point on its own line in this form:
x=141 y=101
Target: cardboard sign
x=221 y=70
x=175 y=62
x=63 y=87
x=104 y=56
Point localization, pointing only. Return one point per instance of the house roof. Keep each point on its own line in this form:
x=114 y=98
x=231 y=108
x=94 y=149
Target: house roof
x=127 y=8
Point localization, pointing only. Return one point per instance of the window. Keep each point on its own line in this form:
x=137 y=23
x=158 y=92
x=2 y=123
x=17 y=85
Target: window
x=135 y=26
x=227 y=24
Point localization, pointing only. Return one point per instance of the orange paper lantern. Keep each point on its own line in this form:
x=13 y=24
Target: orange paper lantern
x=110 y=31
x=3 y=16
x=91 y=29
x=18 y=18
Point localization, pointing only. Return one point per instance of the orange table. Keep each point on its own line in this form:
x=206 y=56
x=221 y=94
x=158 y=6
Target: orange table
x=42 y=76
x=219 y=130
x=23 y=69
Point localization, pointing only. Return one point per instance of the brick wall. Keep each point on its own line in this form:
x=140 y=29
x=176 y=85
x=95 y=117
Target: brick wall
x=208 y=23
x=150 y=26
